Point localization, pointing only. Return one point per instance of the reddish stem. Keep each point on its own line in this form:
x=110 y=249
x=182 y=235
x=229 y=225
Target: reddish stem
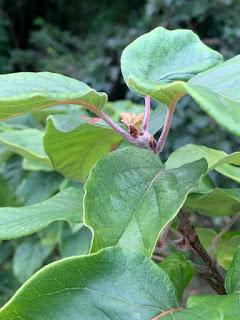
x=145 y=122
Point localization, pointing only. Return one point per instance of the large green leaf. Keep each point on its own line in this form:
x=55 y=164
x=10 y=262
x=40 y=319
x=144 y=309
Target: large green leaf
x=169 y=64
x=26 y=91
x=18 y=222
x=75 y=146
x=226 y=164
x=232 y=279
x=161 y=57
x=211 y=307
x=109 y=285
x=216 y=202
x=28 y=143
x=180 y=271
x=130 y=197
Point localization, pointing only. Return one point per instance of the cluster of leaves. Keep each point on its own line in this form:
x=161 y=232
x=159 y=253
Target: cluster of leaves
x=112 y=205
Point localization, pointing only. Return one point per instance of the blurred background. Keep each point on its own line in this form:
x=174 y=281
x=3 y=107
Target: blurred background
x=84 y=40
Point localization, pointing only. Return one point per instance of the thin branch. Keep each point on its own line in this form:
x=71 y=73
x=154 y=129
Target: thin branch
x=164 y=313
x=145 y=122
x=117 y=128
x=215 y=279
x=221 y=233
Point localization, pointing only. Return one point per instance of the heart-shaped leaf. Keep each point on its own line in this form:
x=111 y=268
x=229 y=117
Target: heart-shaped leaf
x=103 y=286
x=18 y=222
x=130 y=197
x=74 y=146
x=226 y=164
x=157 y=63
x=27 y=91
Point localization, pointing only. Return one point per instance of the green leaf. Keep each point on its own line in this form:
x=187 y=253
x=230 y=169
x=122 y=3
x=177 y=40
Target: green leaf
x=29 y=257
x=129 y=197
x=27 y=91
x=210 y=307
x=18 y=222
x=74 y=243
x=103 y=286
x=226 y=249
x=232 y=279
x=217 y=202
x=180 y=271
x=75 y=146
x=226 y=164
x=28 y=143
x=158 y=62
x=46 y=184
x=217 y=92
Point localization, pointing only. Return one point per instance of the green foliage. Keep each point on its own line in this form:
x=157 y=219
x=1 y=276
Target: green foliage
x=109 y=232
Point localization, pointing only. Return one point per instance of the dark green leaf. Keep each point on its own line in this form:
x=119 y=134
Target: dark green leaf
x=232 y=279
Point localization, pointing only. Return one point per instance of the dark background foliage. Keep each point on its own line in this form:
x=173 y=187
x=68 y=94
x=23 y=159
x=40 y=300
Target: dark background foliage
x=84 y=39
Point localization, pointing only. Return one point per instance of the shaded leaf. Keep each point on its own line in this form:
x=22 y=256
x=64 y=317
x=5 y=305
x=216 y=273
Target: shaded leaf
x=180 y=271
x=29 y=257
x=217 y=202
x=18 y=222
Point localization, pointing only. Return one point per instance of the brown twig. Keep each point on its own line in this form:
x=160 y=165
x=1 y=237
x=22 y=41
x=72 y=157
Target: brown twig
x=214 y=277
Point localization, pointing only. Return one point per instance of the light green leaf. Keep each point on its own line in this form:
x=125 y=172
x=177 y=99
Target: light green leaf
x=28 y=143
x=27 y=91
x=29 y=257
x=210 y=307
x=226 y=249
x=158 y=62
x=103 y=286
x=130 y=197
x=217 y=202
x=226 y=164
x=18 y=222
x=180 y=271
x=232 y=279
x=217 y=92
x=75 y=146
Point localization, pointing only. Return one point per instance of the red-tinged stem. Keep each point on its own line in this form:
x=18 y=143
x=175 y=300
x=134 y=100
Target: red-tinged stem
x=165 y=313
x=117 y=128
x=165 y=130
x=145 y=122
